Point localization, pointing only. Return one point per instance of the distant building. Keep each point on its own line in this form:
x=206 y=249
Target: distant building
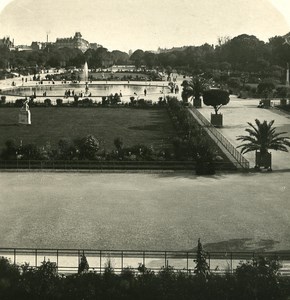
x=7 y=42
x=73 y=42
x=94 y=46
x=23 y=48
x=76 y=42
x=37 y=46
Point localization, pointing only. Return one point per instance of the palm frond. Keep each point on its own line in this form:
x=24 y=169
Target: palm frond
x=263 y=137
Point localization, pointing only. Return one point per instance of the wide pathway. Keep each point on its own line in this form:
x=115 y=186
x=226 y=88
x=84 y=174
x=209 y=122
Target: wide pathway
x=240 y=111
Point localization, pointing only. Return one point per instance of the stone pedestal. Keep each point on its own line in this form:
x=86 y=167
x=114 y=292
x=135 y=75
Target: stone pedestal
x=24 y=117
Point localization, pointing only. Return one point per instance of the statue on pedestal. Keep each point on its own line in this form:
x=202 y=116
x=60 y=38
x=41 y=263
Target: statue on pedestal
x=24 y=116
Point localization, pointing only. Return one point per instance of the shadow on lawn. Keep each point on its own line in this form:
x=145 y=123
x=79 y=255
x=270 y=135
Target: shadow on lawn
x=190 y=175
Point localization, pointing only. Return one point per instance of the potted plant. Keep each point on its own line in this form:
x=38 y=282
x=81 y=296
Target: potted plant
x=216 y=98
x=194 y=89
x=261 y=139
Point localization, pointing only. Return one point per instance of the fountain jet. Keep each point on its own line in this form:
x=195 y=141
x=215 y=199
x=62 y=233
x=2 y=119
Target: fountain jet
x=86 y=72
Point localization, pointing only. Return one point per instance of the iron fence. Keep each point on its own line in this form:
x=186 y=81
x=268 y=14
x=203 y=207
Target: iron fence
x=242 y=161
x=67 y=260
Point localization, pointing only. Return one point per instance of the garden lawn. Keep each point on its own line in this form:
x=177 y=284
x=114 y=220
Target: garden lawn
x=229 y=212
x=50 y=124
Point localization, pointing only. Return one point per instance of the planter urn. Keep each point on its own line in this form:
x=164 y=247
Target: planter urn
x=263 y=160
x=217 y=120
x=266 y=103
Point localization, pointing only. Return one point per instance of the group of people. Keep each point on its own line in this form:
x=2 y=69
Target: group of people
x=69 y=93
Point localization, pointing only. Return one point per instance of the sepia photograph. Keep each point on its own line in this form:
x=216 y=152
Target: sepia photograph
x=144 y=149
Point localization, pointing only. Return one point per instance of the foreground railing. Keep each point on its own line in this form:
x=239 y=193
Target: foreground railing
x=244 y=163
x=67 y=260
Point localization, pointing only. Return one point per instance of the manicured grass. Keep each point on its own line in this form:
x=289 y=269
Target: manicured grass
x=144 y=126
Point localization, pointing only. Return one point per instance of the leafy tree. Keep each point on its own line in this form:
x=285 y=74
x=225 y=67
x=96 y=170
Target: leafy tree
x=216 y=98
x=265 y=88
x=258 y=279
x=119 y=57
x=137 y=57
x=41 y=282
x=9 y=278
x=262 y=138
x=150 y=59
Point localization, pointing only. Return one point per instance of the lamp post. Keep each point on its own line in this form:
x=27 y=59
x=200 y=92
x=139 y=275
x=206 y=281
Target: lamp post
x=287 y=75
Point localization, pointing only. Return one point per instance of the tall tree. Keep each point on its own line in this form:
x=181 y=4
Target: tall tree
x=137 y=58
x=201 y=268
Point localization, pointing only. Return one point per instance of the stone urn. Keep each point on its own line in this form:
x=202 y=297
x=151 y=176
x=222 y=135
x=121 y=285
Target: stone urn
x=217 y=120
x=266 y=103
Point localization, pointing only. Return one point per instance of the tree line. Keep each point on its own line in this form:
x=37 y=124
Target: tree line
x=245 y=55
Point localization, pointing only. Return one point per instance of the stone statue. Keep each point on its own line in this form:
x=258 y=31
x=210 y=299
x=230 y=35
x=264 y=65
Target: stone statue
x=24 y=116
x=25 y=106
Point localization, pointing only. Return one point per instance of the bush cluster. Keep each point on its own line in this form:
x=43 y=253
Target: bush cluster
x=258 y=279
x=192 y=141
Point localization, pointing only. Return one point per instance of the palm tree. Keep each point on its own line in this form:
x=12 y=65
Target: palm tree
x=262 y=138
x=194 y=88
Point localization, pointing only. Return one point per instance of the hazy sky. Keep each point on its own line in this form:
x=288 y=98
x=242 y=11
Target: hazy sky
x=145 y=24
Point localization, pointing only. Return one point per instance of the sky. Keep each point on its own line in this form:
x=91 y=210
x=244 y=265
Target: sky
x=142 y=24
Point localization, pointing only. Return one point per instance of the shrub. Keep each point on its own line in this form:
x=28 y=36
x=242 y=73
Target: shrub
x=216 y=98
x=266 y=88
x=88 y=147
x=59 y=102
x=19 y=102
x=47 y=102
x=87 y=102
x=104 y=100
x=9 y=278
x=282 y=92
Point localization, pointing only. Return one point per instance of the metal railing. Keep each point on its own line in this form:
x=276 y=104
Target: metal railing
x=67 y=260
x=242 y=161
